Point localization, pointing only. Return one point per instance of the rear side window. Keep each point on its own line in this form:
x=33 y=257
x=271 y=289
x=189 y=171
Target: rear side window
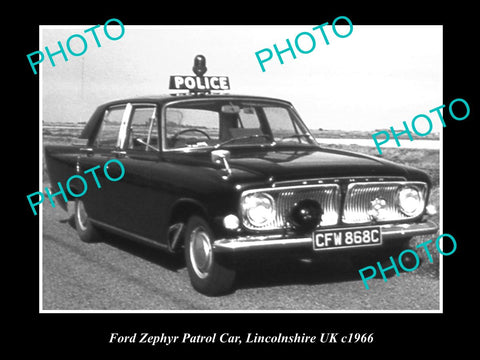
x=107 y=136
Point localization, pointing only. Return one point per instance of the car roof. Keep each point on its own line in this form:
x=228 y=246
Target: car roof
x=164 y=99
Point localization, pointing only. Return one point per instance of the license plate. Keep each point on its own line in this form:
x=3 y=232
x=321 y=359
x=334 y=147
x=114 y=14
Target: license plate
x=346 y=238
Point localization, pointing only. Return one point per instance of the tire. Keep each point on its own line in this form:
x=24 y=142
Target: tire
x=85 y=229
x=208 y=274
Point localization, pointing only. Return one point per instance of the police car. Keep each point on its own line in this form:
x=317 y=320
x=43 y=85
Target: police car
x=219 y=176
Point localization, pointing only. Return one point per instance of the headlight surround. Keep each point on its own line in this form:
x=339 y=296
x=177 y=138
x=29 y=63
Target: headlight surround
x=410 y=201
x=258 y=208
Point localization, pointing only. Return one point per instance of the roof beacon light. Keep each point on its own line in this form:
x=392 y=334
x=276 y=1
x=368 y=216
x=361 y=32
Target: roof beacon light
x=199 y=84
x=199 y=65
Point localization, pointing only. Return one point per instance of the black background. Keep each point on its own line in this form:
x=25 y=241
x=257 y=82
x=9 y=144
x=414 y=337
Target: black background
x=402 y=334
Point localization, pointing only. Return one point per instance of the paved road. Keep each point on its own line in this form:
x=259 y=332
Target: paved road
x=121 y=275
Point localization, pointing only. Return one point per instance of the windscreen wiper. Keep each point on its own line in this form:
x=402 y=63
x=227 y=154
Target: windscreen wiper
x=242 y=138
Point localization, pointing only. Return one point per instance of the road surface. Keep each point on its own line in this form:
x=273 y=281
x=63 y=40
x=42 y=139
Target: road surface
x=118 y=274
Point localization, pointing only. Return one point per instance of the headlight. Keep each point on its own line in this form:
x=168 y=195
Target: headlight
x=258 y=208
x=410 y=201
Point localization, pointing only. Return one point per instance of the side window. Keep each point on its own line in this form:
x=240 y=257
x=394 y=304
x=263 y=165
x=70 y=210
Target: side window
x=143 y=130
x=107 y=136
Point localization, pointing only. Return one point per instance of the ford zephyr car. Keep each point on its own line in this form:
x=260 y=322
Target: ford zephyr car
x=223 y=176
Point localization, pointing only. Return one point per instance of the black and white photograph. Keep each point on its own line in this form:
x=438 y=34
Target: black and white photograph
x=245 y=168
x=222 y=178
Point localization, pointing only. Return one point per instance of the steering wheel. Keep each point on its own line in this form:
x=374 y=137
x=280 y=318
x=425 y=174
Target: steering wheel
x=174 y=138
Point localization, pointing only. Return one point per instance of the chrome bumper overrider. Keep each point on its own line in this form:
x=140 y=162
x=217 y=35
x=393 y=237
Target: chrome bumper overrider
x=389 y=232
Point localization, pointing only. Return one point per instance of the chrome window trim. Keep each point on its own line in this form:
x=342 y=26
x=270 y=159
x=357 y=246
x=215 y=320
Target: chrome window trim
x=123 y=132
x=154 y=108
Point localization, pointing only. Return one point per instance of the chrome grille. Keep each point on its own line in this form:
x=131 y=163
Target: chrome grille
x=360 y=197
x=327 y=195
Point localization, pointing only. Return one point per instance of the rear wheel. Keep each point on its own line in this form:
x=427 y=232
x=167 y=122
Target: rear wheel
x=85 y=229
x=208 y=274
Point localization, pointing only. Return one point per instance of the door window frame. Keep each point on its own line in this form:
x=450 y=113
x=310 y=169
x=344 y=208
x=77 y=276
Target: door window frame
x=124 y=129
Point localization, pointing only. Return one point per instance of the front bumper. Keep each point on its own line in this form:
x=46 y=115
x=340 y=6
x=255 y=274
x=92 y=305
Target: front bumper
x=245 y=243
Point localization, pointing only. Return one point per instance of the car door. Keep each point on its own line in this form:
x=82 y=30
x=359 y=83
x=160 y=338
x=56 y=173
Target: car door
x=93 y=158
x=135 y=205
x=132 y=202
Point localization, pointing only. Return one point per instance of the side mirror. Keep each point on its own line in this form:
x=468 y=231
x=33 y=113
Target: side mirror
x=218 y=156
x=221 y=157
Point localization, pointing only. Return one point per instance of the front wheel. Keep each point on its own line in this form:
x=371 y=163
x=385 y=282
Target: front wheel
x=208 y=274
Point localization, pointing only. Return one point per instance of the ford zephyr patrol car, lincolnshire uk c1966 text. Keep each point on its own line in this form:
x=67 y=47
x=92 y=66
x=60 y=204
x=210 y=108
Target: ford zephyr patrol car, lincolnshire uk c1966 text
x=221 y=176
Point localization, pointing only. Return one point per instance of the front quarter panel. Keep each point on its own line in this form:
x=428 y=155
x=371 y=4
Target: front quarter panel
x=197 y=187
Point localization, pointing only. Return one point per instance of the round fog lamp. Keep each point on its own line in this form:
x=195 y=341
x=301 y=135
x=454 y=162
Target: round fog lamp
x=306 y=215
x=410 y=201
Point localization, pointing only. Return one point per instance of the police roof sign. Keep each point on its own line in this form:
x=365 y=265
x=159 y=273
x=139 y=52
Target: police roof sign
x=199 y=83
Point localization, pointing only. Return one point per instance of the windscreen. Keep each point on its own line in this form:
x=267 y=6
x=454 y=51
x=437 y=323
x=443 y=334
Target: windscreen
x=232 y=123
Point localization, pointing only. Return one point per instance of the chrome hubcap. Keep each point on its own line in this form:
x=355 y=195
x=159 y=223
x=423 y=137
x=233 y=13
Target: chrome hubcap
x=200 y=252
x=81 y=215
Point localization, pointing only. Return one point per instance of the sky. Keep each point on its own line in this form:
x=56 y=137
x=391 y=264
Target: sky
x=377 y=77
